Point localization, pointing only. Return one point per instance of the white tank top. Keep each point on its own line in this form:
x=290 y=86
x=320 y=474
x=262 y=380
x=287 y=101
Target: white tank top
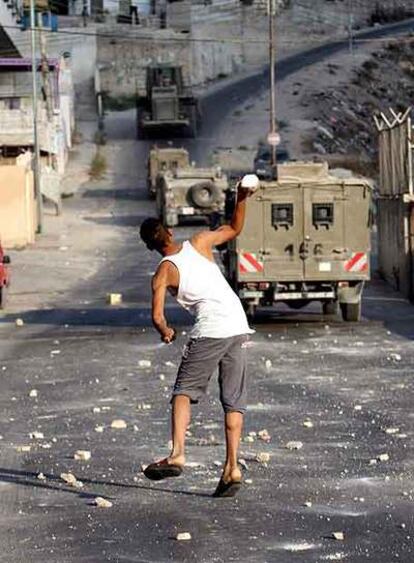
x=205 y=293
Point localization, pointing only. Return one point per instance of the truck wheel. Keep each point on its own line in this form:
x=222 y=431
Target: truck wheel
x=204 y=194
x=250 y=310
x=351 y=312
x=3 y=292
x=330 y=307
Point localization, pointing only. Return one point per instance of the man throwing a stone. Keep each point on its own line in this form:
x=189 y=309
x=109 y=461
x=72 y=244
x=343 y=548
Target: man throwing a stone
x=218 y=339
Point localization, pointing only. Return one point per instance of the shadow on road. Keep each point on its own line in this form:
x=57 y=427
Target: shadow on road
x=54 y=483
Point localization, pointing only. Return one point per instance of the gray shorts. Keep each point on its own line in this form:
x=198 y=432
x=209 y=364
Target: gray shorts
x=200 y=359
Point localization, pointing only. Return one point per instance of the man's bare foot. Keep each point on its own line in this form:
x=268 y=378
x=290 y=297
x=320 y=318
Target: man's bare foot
x=176 y=460
x=231 y=474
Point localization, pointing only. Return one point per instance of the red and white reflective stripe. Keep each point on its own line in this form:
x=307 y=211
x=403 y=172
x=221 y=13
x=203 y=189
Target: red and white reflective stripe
x=249 y=264
x=357 y=263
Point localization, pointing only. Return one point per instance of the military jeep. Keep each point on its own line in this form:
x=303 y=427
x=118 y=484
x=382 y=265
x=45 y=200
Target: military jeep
x=306 y=238
x=190 y=192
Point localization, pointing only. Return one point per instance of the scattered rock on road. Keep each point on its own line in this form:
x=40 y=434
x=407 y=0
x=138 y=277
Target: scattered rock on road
x=340 y=536
x=82 y=455
x=183 y=536
x=118 y=424
x=294 y=445
x=102 y=502
x=33 y=393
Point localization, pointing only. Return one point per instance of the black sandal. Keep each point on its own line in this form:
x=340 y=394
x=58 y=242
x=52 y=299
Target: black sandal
x=227 y=490
x=162 y=470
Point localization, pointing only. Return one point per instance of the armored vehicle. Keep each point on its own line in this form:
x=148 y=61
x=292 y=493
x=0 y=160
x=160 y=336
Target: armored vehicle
x=191 y=192
x=161 y=160
x=306 y=238
x=168 y=104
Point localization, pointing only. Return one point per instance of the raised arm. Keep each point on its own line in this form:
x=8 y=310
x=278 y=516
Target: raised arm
x=160 y=282
x=205 y=240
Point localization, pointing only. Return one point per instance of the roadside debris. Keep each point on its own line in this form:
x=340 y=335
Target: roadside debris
x=19 y=322
x=393 y=357
x=99 y=429
x=383 y=457
x=268 y=365
x=183 y=536
x=82 y=455
x=308 y=423
x=144 y=363
x=264 y=435
x=41 y=477
x=118 y=424
x=102 y=502
x=33 y=393
x=308 y=504
x=340 y=536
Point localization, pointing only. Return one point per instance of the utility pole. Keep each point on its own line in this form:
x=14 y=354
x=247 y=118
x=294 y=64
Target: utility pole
x=351 y=26
x=36 y=150
x=273 y=137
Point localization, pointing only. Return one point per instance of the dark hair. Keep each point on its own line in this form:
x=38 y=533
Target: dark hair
x=153 y=233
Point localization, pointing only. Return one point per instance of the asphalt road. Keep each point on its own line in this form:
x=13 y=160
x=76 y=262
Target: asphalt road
x=343 y=390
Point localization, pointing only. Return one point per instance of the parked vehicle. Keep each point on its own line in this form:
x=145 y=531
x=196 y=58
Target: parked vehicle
x=162 y=160
x=4 y=277
x=306 y=238
x=261 y=164
x=168 y=104
x=189 y=191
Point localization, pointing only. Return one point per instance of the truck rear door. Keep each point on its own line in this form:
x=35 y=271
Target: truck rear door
x=283 y=232
x=323 y=247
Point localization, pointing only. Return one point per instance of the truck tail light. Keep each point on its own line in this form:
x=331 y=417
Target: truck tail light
x=343 y=284
x=251 y=285
x=264 y=285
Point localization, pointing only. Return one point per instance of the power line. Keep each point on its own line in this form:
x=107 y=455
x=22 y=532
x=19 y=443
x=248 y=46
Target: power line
x=222 y=40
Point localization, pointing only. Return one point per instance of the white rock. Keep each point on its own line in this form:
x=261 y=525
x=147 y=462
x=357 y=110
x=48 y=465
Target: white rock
x=23 y=448
x=263 y=457
x=19 y=322
x=338 y=536
x=294 y=445
x=95 y=410
x=36 y=435
x=99 y=429
x=357 y=408
x=144 y=363
x=183 y=536
x=392 y=430
x=373 y=462
x=33 y=393
x=243 y=463
x=308 y=504
x=114 y=299
x=71 y=480
x=264 y=435
x=248 y=439
x=118 y=424
x=102 y=502
x=82 y=455
x=143 y=467
x=248 y=481
x=383 y=457
x=41 y=477
x=308 y=423
x=268 y=365
x=217 y=463
x=394 y=357
x=162 y=377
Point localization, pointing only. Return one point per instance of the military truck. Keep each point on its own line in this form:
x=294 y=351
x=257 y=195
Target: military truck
x=306 y=238
x=191 y=192
x=168 y=104
x=160 y=160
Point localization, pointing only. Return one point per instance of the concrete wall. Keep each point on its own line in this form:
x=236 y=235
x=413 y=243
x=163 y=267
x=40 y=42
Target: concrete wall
x=17 y=205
